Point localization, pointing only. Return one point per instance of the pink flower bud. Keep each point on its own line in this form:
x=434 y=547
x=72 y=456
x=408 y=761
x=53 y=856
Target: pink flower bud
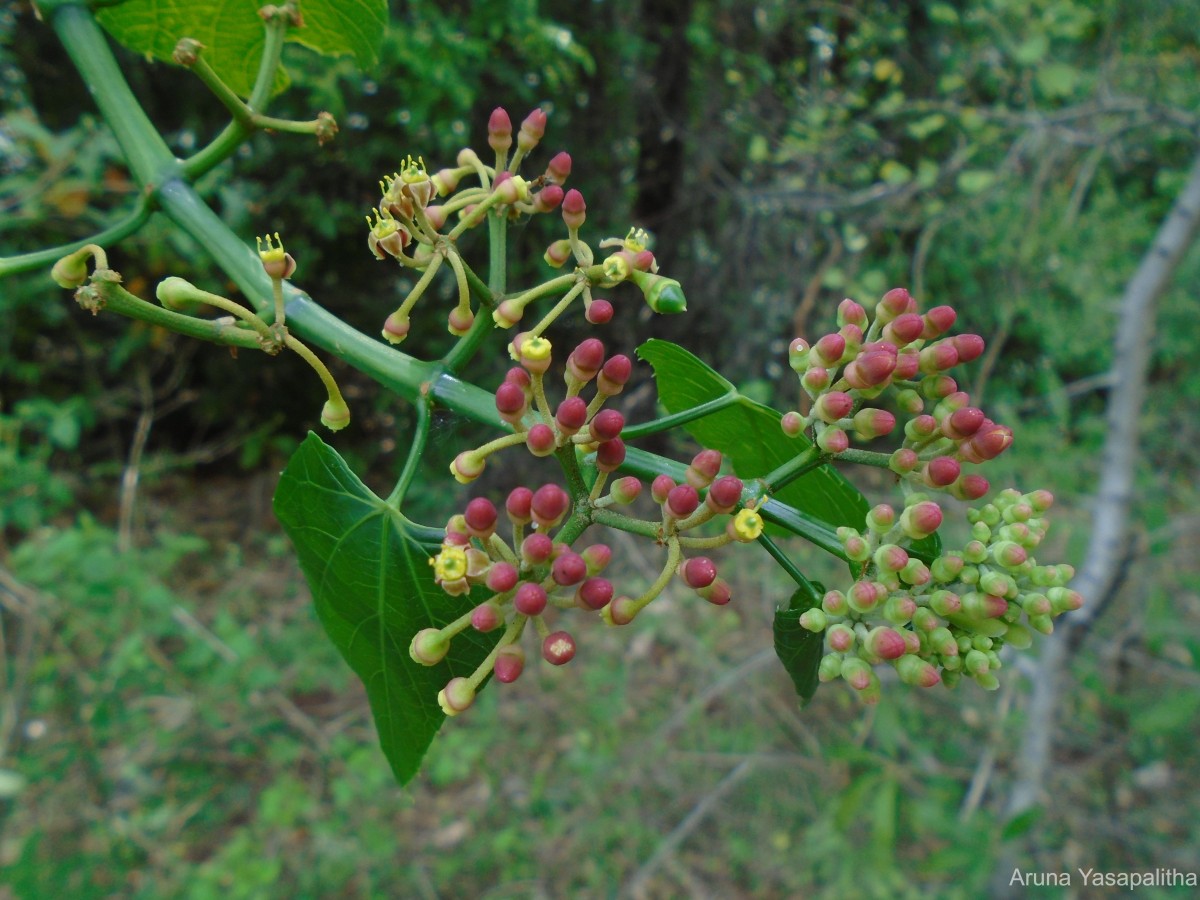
x=549 y=505
x=568 y=569
x=920 y=427
x=620 y=611
x=839 y=638
x=661 y=487
x=1040 y=500
x=540 y=440
x=937 y=386
x=793 y=424
x=507 y=188
x=969 y=346
x=548 y=199
x=834 y=604
x=429 y=647
x=798 y=351
x=890 y=557
x=518 y=505
x=499 y=130
x=987 y=443
x=942 y=471
x=486 y=617
x=903 y=461
x=559 y=168
x=509 y=664
x=597 y=557
x=827 y=352
x=626 y=489
x=916 y=671
x=904 y=329
x=851 y=313
x=613 y=375
x=885 y=642
x=599 y=312
x=704 y=468
x=395 y=328
x=530 y=599
x=717 y=593
x=863 y=596
x=558 y=254
x=606 y=425
x=574 y=209
x=501 y=577
x=456 y=696
x=921 y=519
x=610 y=455
x=480 y=516
x=536 y=548
x=908 y=363
x=856 y=673
x=595 y=593
x=945 y=603
x=816 y=378
x=870 y=369
x=984 y=606
x=880 y=518
x=833 y=406
x=558 y=648
x=833 y=440
x=873 y=423
x=894 y=303
x=698 y=573
x=938 y=357
x=938 y=321
x=532 y=129
x=962 y=423
x=724 y=494
x=585 y=360
x=682 y=501
x=571 y=415
x=467 y=467
x=970 y=487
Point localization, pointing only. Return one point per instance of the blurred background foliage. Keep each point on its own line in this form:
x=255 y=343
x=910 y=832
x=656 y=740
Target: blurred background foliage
x=173 y=722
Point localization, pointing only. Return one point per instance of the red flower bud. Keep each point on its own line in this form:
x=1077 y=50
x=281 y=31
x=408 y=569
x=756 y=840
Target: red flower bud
x=536 y=548
x=486 y=617
x=558 y=648
x=613 y=375
x=595 y=593
x=585 y=360
x=571 y=415
x=574 y=209
x=851 y=313
x=499 y=130
x=509 y=664
x=597 y=557
x=921 y=519
x=816 y=378
x=626 y=489
x=661 y=487
x=942 y=471
x=550 y=504
x=969 y=346
x=480 y=516
x=717 y=593
x=833 y=406
x=610 y=455
x=938 y=357
x=987 y=443
x=501 y=577
x=903 y=461
x=904 y=329
x=885 y=642
x=559 y=168
x=548 y=198
x=699 y=572
x=530 y=599
x=568 y=569
x=599 y=312
x=682 y=501
x=894 y=303
x=533 y=127
x=511 y=401
x=518 y=505
x=833 y=440
x=606 y=425
x=870 y=369
x=724 y=494
x=938 y=321
x=704 y=468
x=970 y=487
x=962 y=423
x=540 y=440
x=827 y=352
x=872 y=423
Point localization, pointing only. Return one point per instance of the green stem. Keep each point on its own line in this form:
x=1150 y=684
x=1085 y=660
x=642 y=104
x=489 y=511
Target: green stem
x=664 y=423
x=610 y=518
x=778 y=479
x=327 y=379
x=118 y=300
x=415 y=451
x=787 y=565
x=466 y=348
x=866 y=458
x=118 y=231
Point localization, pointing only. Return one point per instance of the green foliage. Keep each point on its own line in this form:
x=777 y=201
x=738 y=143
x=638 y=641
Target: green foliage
x=368 y=568
x=232 y=33
x=799 y=649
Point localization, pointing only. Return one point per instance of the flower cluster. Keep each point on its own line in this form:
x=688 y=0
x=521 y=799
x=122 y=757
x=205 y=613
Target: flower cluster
x=949 y=618
x=907 y=356
x=521 y=401
x=536 y=571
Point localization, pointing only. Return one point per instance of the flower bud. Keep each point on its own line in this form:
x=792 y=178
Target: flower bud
x=717 y=593
x=599 y=312
x=486 y=617
x=915 y=671
x=863 y=596
x=550 y=503
x=856 y=673
x=501 y=577
x=978 y=605
x=833 y=440
x=851 y=313
x=510 y=662
x=626 y=490
x=499 y=130
x=698 y=572
x=895 y=303
x=816 y=379
x=793 y=424
x=574 y=209
x=530 y=599
x=568 y=569
x=798 y=352
x=942 y=471
x=827 y=352
x=891 y=557
x=945 y=603
x=840 y=638
x=518 y=505
x=533 y=127
x=900 y=608
x=833 y=406
x=873 y=423
x=467 y=467
x=480 y=516
x=938 y=321
x=921 y=519
x=558 y=254
x=935 y=387
x=610 y=455
x=536 y=548
x=969 y=346
x=429 y=647
x=970 y=487
x=571 y=415
x=540 y=440
x=724 y=494
x=703 y=468
x=585 y=361
x=870 y=369
x=613 y=375
x=335 y=414
x=456 y=696
x=829 y=668
x=558 y=648
x=660 y=487
x=903 y=461
x=682 y=501
x=987 y=443
x=904 y=329
x=663 y=295
x=881 y=518
x=606 y=425
x=559 y=168
x=962 y=423
x=597 y=557
x=813 y=620
x=620 y=611
x=72 y=271
x=594 y=593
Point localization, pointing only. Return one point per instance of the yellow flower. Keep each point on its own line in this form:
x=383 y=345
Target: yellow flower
x=747 y=525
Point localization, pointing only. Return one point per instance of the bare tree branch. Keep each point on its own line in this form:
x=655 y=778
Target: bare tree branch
x=1101 y=569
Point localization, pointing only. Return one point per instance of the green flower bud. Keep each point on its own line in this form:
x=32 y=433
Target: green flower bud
x=663 y=295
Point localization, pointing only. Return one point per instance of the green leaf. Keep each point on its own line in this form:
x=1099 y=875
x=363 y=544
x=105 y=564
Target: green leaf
x=799 y=649
x=368 y=569
x=749 y=435
x=232 y=32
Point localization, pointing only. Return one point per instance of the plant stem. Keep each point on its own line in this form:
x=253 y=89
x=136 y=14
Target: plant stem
x=787 y=565
x=416 y=450
x=665 y=423
x=119 y=300
x=866 y=458
x=118 y=231
x=811 y=458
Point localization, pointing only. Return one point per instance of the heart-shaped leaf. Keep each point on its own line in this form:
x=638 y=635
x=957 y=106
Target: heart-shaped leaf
x=368 y=569
x=799 y=649
x=749 y=435
x=232 y=32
